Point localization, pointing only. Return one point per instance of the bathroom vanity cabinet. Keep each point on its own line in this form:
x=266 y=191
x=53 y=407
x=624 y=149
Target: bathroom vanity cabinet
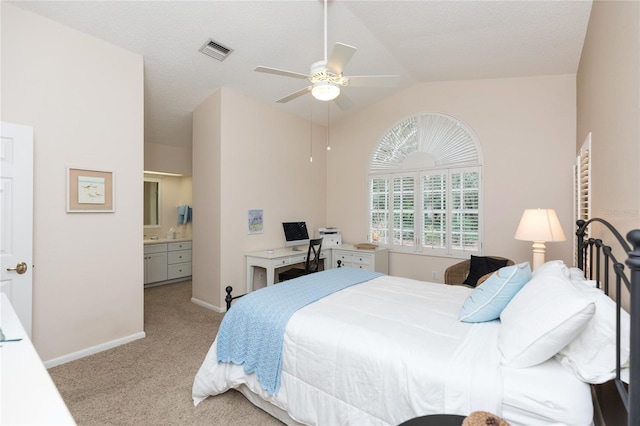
x=166 y=261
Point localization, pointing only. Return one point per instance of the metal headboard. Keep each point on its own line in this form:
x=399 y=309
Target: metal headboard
x=597 y=260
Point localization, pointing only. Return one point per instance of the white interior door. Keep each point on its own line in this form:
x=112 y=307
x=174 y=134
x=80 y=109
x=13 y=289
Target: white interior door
x=16 y=218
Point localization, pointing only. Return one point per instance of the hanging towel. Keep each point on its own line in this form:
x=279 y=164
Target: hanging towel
x=182 y=214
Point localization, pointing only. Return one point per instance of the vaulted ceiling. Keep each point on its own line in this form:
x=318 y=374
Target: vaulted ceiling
x=418 y=40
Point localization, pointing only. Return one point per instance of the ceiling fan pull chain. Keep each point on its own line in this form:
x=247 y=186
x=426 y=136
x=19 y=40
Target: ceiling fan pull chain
x=328 y=128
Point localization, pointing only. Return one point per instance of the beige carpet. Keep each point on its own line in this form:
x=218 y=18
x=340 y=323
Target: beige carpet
x=148 y=382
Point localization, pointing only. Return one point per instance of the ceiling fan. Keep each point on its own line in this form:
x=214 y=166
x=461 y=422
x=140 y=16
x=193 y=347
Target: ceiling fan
x=326 y=76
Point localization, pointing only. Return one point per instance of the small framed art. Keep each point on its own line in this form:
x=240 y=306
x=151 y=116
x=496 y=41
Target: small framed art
x=90 y=191
x=255 y=221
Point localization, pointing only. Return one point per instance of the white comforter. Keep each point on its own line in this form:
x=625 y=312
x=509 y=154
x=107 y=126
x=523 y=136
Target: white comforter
x=388 y=350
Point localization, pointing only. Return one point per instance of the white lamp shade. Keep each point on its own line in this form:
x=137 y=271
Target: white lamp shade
x=325 y=91
x=539 y=225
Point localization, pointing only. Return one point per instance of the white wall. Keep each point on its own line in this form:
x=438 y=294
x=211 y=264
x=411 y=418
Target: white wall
x=257 y=158
x=608 y=93
x=84 y=99
x=207 y=181
x=526 y=127
x=166 y=158
x=608 y=102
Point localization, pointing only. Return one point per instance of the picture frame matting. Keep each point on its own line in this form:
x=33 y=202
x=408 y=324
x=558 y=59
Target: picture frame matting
x=90 y=191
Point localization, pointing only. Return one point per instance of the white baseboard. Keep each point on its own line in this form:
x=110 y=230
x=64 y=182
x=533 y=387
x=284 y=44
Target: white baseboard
x=93 y=350
x=207 y=305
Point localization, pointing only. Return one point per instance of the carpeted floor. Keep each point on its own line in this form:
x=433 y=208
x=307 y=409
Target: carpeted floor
x=148 y=381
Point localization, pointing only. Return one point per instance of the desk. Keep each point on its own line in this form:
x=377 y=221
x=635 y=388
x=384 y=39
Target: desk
x=374 y=260
x=271 y=261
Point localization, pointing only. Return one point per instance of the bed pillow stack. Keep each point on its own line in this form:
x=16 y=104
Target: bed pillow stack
x=487 y=301
x=592 y=354
x=542 y=318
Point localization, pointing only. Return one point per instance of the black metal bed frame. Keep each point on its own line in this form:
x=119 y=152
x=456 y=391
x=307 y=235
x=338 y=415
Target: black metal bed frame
x=596 y=259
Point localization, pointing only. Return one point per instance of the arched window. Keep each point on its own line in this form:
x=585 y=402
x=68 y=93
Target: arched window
x=425 y=192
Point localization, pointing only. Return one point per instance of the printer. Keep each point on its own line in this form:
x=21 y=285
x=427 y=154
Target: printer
x=330 y=236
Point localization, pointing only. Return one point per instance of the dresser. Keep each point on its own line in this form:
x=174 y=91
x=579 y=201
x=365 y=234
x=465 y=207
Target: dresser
x=29 y=396
x=166 y=261
x=372 y=260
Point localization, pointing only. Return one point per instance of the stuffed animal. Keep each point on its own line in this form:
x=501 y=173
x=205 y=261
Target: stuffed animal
x=482 y=418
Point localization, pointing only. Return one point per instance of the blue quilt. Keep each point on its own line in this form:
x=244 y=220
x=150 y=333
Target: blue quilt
x=252 y=331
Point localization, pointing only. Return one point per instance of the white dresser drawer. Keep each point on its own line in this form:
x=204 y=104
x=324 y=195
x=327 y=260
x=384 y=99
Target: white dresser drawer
x=179 y=256
x=365 y=259
x=341 y=255
x=365 y=266
x=291 y=260
x=155 y=248
x=178 y=270
x=182 y=245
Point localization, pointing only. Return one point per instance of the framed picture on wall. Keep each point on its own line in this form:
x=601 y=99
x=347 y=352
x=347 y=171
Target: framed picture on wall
x=255 y=222
x=90 y=191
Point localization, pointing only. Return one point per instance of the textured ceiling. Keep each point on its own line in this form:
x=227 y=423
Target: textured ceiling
x=418 y=40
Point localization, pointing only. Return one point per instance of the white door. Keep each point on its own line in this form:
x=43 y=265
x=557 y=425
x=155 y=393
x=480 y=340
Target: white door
x=16 y=218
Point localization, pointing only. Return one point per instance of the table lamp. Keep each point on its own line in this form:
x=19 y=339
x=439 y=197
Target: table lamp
x=539 y=226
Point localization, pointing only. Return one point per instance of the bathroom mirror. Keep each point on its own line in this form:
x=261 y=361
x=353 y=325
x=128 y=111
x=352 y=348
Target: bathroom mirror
x=152 y=202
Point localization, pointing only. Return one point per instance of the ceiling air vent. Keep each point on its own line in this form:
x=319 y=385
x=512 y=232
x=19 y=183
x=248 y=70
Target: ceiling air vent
x=215 y=50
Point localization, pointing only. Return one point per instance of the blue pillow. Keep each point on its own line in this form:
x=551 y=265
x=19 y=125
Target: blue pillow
x=488 y=300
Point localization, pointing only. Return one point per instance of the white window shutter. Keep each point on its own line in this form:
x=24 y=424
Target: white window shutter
x=424 y=187
x=582 y=186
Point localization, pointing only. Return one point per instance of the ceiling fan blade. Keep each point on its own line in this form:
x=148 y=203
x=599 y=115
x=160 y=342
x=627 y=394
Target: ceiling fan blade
x=343 y=101
x=277 y=71
x=374 y=80
x=294 y=95
x=340 y=56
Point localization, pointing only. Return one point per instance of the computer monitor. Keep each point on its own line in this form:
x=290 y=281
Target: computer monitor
x=295 y=234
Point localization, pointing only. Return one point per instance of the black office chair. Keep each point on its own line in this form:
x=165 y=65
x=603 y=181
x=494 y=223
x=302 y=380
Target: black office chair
x=311 y=264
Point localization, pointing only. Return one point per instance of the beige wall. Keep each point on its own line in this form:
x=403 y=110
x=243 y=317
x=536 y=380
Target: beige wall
x=608 y=102
x=84 y=99
x=608 y=90
x=526 y=128
x=263 y=164
x=207 y=181
x=165 y=158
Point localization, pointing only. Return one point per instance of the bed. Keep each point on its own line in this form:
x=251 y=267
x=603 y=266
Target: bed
x=346 y=347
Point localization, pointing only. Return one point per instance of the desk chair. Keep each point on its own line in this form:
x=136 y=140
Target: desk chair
x=311 y=265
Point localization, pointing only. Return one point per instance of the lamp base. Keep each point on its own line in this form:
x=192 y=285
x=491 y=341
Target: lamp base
x=538 y=254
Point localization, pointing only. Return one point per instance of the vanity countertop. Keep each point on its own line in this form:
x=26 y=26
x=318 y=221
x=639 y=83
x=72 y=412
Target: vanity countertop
x=165 y=240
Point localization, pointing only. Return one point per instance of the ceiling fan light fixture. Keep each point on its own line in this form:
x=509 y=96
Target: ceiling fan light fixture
x=325 y=91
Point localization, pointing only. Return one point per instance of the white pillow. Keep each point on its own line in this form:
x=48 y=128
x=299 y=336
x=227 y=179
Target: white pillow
x=552 y=267
x=489 y=299
x=592 y=354
x=576 y=274
x=542 y=318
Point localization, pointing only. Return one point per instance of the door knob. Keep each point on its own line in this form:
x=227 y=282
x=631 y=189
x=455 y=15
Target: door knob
x=20 y=268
